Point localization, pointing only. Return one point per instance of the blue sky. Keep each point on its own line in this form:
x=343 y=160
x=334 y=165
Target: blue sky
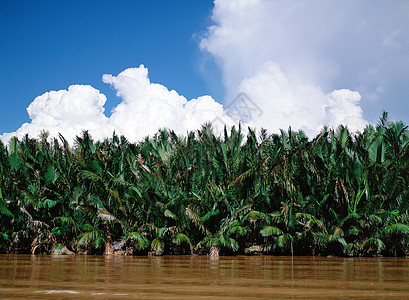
x=303 y=63
x=49 y=45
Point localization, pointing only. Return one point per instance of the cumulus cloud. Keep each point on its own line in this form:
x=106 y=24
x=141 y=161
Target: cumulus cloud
x=67 y=112
x=291 y=56
x=300 y=105
x=145 y=108
x=302 y=64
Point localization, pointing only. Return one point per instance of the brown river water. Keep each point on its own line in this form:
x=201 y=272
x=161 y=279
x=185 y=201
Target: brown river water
x=198 y=277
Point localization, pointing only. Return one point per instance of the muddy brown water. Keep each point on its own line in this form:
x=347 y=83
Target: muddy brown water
x=198 y=277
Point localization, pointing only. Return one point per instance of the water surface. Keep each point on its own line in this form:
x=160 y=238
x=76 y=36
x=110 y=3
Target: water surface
x=198 y=277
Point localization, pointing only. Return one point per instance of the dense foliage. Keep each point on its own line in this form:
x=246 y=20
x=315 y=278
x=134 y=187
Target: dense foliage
x=337 y=194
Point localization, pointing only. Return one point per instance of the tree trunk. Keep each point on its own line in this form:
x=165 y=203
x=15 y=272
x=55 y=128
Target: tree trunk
x=108 y=246
x=214 y=251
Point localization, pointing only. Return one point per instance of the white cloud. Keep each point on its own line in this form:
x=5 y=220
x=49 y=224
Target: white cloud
x=67 y=112
x=145 y=108
x=290 y=55
x=299 y=61
x=302 y=106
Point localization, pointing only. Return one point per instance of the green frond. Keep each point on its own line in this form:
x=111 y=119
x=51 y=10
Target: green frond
x=4 y=210
x=4 y=236
x=397 y=228
x=88 y=227
x=351 y=216
x=304 y=217
x=181 y=238
x=193 y=215
x=105 y=215
x=338 y=232
x=170 y=214
x=342 y=241
x=139 y=240
x=376 y=243
x=321 y=238
x=205 y=242
x=161 y=231
x=354 y=230
x=232 y=244
x=88 y=175
x=64 y=220
x=254 y=216
x=238 y=230
x=270 y=230
x=208 y=216
x=284 y=240
x=51 y=175
x=47 y=203
x=91 y=237
x=157 y=246
x=276 y=218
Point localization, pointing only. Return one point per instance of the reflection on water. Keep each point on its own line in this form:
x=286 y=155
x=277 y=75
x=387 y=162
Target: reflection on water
x=187 y=277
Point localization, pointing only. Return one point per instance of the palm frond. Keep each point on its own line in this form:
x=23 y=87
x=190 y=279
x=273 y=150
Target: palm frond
x=181 y=238
x=270 y=230
x=139 y=240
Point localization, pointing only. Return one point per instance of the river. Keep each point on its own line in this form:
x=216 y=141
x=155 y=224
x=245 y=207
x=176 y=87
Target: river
x=198 y=277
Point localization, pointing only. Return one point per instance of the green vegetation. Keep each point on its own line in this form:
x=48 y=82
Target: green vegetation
x=337 y=194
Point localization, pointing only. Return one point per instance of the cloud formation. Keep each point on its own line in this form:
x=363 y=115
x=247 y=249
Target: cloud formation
x=300 y=105
x=304 y=64
x=145 y=108
x=291 y=56
x=67 y=112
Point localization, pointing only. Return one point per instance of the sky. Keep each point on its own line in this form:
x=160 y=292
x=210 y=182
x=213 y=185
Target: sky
x=136 y=66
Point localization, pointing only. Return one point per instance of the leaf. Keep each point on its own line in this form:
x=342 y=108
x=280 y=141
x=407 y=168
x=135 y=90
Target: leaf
x=281 y=241
x=105 y=215
x=56 y=231
x=357 y=199
x=209 y=215
x=170 y=214
x=64 y=220
x=342 y=241
x=320 y=238
x=4 y=210
x=51 y=175
x=93 y=237
x=397 y=228
x=181 y=238
x=375 y=242
x=88 y=175
x=4 y=236
x=139 y=240
x=158 y=245
x=88 y=227
x=352 y=215
x=374 y=218
x=49 y=203
x=135 y=189
x=354 y=230
x=239 y=230
x=233 y=244
x=270 y=230
x=162 y=231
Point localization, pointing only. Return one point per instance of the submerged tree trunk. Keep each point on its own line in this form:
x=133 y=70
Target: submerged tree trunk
x=108 y=246
x=62 y=250
x=214 y=251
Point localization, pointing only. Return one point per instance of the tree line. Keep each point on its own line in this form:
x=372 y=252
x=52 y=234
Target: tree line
x=340 y=193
